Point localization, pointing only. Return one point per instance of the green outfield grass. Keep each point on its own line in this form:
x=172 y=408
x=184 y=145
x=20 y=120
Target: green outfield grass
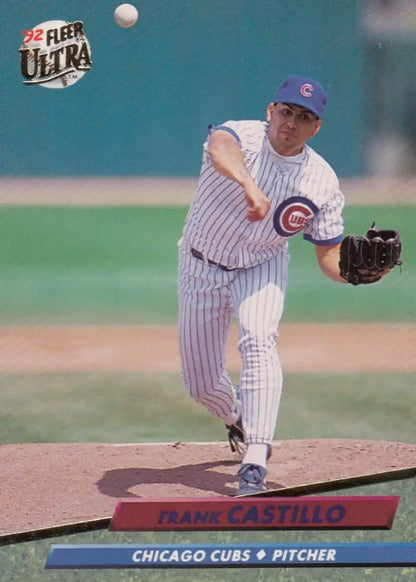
x=102 y=407
x=115 y=265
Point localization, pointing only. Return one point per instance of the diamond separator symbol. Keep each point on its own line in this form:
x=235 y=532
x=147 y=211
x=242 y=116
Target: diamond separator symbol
x=261 y=554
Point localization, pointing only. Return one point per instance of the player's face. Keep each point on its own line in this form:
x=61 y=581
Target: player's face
x=290 y=126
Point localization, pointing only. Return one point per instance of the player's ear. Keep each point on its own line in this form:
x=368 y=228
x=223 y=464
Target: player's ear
x=269 y=111
x=317 y=127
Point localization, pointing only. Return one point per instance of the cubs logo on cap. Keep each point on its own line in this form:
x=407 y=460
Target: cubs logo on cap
x=303 y=91
x=292 y=215
x=307 y=90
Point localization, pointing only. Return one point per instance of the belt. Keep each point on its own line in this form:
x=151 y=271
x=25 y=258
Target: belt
x=200 y=256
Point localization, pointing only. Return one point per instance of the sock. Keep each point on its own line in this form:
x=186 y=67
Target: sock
x=256 y=455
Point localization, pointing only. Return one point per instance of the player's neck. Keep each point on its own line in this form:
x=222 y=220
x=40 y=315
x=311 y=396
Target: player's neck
x=289 y=151
x=286 y=151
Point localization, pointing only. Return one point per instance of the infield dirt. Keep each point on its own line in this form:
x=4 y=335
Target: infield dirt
x=302 y=347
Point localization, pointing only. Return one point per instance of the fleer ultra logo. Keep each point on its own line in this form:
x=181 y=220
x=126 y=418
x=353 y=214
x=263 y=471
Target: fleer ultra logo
x=55 y=54
x=292 y=215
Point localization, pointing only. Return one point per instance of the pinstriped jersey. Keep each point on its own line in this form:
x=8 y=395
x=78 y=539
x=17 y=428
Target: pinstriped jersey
x=303 y=191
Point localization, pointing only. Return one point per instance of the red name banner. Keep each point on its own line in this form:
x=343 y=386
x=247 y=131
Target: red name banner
x=223 y=513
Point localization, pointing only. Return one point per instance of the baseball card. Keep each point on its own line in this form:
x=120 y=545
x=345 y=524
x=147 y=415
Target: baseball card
x=207 y=290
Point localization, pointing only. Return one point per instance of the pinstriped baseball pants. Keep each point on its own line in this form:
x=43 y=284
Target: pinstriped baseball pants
x=208 y=298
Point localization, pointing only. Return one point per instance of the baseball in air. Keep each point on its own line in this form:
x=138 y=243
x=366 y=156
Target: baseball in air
x=126 y=15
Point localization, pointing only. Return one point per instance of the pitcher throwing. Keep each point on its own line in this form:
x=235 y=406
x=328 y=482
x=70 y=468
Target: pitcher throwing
x=259 y=185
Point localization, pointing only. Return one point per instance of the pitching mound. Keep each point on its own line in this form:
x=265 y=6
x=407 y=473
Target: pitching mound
x=51 y=489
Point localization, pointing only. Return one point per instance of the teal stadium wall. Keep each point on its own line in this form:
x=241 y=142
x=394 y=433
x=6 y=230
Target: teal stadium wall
x=144 y=107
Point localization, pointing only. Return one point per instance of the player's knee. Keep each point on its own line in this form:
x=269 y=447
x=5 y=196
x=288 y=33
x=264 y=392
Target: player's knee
x=199 y=387
x=258 y=347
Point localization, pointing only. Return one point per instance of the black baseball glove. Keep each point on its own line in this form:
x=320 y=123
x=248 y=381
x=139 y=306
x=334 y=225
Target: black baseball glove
x=364 y=258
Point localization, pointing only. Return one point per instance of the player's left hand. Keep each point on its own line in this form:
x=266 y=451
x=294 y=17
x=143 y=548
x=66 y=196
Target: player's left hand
x=366 y=259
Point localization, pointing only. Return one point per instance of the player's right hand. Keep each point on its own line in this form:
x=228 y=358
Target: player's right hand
x=258 y=204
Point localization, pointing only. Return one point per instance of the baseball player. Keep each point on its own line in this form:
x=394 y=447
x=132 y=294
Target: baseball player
x=260 y=184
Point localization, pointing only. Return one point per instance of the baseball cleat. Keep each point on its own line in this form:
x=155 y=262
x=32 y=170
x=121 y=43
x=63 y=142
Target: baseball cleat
x=252 y=479
x=236 y=437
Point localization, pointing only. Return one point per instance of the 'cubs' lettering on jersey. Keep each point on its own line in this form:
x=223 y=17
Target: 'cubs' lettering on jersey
x=292 y=215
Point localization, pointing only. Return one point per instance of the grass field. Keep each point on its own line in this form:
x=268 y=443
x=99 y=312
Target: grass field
x=115 y=265
x=110 y=408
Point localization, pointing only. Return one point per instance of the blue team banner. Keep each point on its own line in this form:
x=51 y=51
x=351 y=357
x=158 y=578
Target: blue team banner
x=230 y=555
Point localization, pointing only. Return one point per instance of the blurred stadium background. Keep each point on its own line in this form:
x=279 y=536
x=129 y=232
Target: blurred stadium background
x=144 y=107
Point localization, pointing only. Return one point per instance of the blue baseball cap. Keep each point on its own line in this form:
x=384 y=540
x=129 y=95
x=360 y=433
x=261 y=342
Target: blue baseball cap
x=303 y=91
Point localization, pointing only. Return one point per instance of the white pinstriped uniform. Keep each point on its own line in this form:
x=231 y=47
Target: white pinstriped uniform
x=304 y=194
